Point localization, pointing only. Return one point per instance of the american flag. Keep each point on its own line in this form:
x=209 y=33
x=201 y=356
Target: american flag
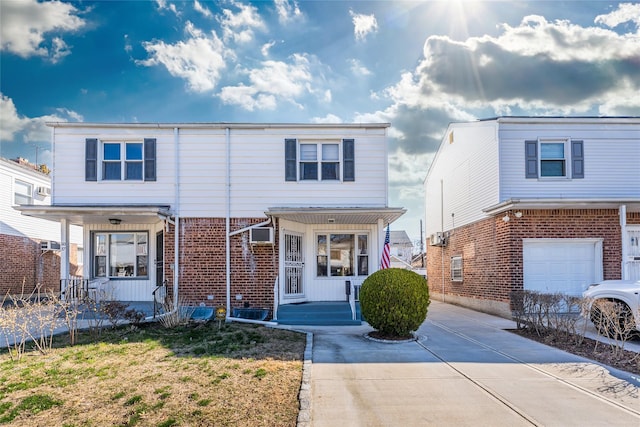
x=384 y=262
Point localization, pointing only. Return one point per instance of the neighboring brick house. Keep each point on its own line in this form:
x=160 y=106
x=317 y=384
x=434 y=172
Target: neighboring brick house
x=545 y=204
x=24 y=266
x=224 y=214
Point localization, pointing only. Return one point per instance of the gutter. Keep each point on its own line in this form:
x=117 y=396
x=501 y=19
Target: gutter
x=176 y=227
x=228 y=219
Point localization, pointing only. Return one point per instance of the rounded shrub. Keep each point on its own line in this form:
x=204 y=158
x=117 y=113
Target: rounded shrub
x=394 y=301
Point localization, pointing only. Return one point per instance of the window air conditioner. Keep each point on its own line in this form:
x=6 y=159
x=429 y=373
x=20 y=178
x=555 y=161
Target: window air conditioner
x=50 y=246
x=437 y=239
x=44 y=191
x=261 y=235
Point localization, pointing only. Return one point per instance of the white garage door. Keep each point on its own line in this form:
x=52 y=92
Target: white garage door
x=561 y=265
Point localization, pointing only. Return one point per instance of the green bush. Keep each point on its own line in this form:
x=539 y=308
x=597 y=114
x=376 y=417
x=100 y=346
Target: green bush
x=394 y=301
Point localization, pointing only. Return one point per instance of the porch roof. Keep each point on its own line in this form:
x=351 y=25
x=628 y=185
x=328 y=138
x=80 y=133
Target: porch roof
x=98 y=214
x=337 y=215
x=633 y=204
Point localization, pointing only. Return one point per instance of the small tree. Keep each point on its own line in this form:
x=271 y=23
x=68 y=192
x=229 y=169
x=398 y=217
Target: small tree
x=395 y=301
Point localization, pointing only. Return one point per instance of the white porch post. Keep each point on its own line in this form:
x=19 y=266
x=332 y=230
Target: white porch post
x=625 y=249
x=381 y=237
x=64 y=253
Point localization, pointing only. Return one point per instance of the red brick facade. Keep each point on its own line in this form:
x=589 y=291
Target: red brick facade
x=202 y=264
x=24 y=266
x=491 y=251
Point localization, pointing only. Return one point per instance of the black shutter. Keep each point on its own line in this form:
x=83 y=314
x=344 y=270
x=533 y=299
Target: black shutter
x=577 y=159
x=348 y=160
x=290 y=148
x=91 y=159
x=531 y=159
x=149 y=159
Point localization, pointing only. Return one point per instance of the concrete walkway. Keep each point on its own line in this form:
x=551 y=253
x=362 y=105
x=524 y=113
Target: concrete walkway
x=464 y=370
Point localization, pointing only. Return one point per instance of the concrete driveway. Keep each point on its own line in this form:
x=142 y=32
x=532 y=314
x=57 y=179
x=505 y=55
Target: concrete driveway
x=463 y=370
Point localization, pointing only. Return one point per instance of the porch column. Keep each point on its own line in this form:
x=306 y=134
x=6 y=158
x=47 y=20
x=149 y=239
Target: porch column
x=64 y=250
x=381 y=237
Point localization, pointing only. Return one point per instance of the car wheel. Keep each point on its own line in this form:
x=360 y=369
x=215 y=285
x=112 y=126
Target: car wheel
x=612 y=319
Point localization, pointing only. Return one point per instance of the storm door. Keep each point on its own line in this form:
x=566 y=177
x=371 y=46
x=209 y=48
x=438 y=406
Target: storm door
x=293 y=265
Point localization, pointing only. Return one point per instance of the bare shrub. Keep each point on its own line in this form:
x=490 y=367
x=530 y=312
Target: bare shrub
x=614 y=320
x=31 y=318
x=175 y=317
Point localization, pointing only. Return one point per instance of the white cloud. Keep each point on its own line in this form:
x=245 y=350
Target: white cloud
x=203 y=10
x=240 y=26
x=363 y=25
x=28 y=129
x=266 y=48
x=199 y=60
x=163 y=5
x=358 y=69
x=24 y=25
x=273 y=81
x=626 y=12
x=329 y=118
x=287 y=11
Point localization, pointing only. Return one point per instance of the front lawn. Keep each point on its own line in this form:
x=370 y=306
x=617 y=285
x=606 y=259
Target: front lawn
x=195 y=375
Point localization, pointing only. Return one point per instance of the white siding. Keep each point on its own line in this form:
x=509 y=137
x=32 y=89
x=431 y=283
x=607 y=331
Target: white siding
x=611 y=161
x=12 y=222
x=257 y=180
x=70 y=186
x=467 y=167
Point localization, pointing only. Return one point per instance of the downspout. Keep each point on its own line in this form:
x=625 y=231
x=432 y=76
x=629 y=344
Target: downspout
x=176 y=226
x=623 y=229
x=228 y=219
x=442 y=230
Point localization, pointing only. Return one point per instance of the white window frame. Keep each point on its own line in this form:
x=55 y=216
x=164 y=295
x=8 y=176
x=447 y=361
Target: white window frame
x=456 y=268
x=566 y=153
x=357 y=257
x=28 y=196
x=319 y=160
x=123 y=160
x=139 y=250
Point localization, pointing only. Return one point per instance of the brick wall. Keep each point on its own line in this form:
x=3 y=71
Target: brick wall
x=24 y=266
x=491 y=250
x=203 y=264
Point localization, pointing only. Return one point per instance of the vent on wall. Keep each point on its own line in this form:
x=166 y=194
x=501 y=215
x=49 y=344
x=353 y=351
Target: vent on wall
x=261 y=235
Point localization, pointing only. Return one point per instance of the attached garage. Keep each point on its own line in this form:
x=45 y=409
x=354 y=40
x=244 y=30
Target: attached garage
x=561 y=265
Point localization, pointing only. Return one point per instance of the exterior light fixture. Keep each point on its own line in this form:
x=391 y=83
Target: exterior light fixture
x=115 y=221
x=518 y=214
x=506 y=218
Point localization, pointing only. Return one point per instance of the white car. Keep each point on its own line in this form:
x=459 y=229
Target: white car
x=625 y=293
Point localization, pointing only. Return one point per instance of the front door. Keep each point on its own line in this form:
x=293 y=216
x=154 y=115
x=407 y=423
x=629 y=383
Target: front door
x=159 y=259
x=293 y=265
x=632 y=261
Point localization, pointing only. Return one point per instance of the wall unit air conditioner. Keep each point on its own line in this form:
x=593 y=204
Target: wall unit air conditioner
x=50 y=246
x=261 y=235
x=437 y=239
x=43 y=191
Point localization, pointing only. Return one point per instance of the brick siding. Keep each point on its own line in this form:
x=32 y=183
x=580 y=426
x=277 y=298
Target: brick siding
x=203 y=265
x=25 y=268
x=491 y=251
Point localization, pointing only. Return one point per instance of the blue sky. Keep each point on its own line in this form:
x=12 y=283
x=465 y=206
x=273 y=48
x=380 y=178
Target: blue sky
x=418 y=65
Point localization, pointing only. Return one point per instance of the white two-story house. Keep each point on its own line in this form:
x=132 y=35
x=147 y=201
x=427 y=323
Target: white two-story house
x=231 y=215
x=544 y=204
x=29 y=247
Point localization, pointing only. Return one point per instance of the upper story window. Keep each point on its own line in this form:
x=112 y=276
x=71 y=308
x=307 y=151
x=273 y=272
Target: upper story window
x=128 y=161
x=319 y=161
x=554 y=158
x=23 y=193
x=342 y=255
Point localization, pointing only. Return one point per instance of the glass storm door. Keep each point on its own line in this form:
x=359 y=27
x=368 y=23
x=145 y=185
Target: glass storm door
x=293 y=265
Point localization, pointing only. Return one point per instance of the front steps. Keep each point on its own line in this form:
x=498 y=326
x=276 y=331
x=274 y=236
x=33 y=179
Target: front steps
x=323 y=313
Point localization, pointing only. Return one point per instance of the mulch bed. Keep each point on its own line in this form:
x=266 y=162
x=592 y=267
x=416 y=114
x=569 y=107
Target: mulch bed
x=625 y=360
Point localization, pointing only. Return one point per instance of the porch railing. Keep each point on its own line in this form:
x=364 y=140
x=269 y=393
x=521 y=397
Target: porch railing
x=159 y=298
x=74 y=288
x=276 y=298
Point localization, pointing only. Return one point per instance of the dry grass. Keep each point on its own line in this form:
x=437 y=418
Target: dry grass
x=196 y=375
